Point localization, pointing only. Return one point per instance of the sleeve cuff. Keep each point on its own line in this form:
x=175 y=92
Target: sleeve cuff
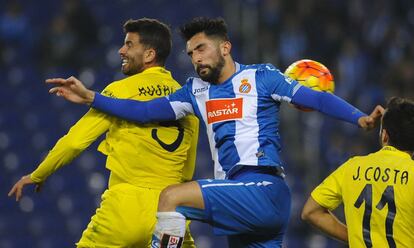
x=96 y=99
x=35 y=179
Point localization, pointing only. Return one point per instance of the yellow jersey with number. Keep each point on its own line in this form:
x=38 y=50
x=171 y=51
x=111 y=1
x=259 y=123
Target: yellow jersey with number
x=377 y=191
x=147 y=155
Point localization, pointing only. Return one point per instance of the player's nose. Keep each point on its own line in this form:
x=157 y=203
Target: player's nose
x=196 y=58
x=121 y=50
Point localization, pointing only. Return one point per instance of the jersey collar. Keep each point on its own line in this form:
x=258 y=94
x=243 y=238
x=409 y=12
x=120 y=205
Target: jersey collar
x=237 y=65
x=395 y=150
x=156 y=68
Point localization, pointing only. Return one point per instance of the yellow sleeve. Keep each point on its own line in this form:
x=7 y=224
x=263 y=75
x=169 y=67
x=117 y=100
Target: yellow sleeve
x=189 y=164
x=329 y=193
x=79 y=137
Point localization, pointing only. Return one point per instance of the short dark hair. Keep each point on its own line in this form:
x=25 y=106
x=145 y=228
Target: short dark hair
x=398 y=121
x=153 y=34
x=213 y=27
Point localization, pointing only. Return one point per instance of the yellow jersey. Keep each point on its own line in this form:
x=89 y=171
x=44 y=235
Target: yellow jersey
x=376 y=191
x=146 y=155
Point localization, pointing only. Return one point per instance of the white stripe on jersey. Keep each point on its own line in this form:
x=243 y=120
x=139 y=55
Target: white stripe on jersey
x=201 y=100
x=185 y=109
x=248 y=129
x=296 y=88
x=278 y=98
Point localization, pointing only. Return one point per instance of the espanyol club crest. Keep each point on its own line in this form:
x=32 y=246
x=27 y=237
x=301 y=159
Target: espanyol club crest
x=245 y=87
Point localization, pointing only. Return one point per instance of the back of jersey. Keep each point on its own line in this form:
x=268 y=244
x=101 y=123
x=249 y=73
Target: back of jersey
x=152 y=155
x=378 y=195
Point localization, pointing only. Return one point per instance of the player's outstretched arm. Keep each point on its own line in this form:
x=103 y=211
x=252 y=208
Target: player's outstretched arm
x=336 y=107
x=17 y=189
x=72 y=89
x=324 y=220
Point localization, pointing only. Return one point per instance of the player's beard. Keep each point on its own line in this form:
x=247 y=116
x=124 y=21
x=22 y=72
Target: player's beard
x=214 y=71
x=132 y=67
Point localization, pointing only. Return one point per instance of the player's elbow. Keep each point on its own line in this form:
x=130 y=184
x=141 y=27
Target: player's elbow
x=71 y=144
x=76 y=148
x=310 y=211
x=306 y=214
x=310 y=217
x=75 y=145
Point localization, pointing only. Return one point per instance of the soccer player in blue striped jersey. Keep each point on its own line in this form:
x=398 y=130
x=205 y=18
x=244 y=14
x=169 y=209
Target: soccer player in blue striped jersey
x=248 y=200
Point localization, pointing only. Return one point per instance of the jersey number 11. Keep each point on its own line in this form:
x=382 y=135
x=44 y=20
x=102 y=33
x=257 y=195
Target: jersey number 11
x=387 y=198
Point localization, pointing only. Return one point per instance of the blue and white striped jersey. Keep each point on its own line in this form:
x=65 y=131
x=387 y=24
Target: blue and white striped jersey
x=241 y=115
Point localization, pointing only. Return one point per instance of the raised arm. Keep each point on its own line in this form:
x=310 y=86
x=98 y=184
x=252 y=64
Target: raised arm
x=155 y=110
x=281 y=88
x=336 y=107
x=74 y=90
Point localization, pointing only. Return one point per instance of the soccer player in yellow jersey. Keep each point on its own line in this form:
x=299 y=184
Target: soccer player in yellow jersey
x=376 y=189
x=143 y=159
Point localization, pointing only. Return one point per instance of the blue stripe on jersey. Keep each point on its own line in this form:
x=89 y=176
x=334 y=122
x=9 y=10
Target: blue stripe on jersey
x=197 y=113
x=224 y=132
x=267 y=118
x=270 y=81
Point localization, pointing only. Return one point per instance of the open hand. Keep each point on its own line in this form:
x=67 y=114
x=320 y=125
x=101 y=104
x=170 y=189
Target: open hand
x=72 y=89
x=18 y=187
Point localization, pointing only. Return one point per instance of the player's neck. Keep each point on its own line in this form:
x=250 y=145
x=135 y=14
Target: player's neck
x=411 y=153
x=150 y=65
x=228 y=70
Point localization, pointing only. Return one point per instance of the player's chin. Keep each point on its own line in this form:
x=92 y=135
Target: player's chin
x=126 y=71
x=202 y=72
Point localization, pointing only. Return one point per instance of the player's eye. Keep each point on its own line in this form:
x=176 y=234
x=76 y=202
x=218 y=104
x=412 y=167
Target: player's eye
x=201 y=48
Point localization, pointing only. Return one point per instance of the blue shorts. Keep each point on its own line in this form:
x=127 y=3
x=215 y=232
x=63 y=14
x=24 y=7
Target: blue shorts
x=253 y=208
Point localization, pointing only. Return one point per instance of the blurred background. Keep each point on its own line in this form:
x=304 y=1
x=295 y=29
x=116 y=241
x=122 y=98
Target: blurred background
x=367 y=45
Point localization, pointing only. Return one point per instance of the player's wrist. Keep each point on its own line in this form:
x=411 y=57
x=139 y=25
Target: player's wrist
x=34 y=178
x=361 y=121
x=90 y=97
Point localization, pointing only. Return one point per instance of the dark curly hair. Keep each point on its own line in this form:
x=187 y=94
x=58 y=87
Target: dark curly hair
x=153 y=34
x=212 y=27
x=398 y=120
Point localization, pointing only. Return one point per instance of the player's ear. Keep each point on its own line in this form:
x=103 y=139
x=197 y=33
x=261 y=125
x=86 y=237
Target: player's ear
x=384 y=137
x=149 y=55
x=225 y=48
